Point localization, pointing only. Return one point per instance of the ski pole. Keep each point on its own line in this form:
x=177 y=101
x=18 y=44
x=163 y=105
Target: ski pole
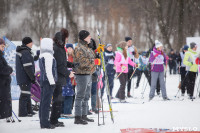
x=144 y=91
x=133 y=73
x=16 y=116
x=177 y=93
x=120 y=73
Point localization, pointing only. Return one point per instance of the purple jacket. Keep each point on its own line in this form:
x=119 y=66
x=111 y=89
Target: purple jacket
x=157 y=59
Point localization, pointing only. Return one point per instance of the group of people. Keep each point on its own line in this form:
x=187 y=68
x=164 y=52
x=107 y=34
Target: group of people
x=70 y=75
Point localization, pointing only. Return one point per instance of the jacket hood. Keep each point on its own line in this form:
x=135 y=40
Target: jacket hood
x=46 y=45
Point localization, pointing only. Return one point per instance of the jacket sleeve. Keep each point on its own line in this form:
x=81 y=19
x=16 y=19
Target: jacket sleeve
x=151 y=58
x=106 y=58
x=140 y=62
x=185 y=60
x=131 y=62
x=81 y=59
x=61 y=63
x=5 y=69
x=26 y=60
x=117 y=61
x=48 y=68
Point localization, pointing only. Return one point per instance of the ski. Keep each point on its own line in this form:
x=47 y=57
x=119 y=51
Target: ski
x=106 y=79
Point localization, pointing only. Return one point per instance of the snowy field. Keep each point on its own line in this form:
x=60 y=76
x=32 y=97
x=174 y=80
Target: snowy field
x=155 y=114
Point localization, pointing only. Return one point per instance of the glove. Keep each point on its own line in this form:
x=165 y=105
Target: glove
x=123 y=68
x=136 y=65
x=33 y=81
x=53 y=86
x=133 y=52
x=97 y=62
x=100 y=48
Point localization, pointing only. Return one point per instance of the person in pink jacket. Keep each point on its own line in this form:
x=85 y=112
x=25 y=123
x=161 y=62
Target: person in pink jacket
x=121 y=63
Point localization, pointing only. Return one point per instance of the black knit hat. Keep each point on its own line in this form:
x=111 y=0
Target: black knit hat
x=128 y=38
x=83 y=34
x=26 y=40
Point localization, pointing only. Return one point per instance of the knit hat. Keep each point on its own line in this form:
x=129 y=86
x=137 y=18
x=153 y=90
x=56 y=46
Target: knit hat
x=144 y=53
x=83 y=34
x=192 y=45
x=158 y=44
x=69 y=45
x=128 y=38
x=26 y=40
x=2 y=42
x=108 y=45
x=185 y=47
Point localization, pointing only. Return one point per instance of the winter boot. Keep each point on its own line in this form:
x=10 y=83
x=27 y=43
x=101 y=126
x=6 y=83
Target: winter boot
x=79 y=120
x=84 y=117
x=129 y=95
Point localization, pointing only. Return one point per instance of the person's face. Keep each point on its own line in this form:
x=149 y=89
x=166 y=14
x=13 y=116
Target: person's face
x=2 y=47
x=185 y=50
x=195 y=48
x=69 y=50
x=109 y=48
x=144 y=56
x=88 y=39
x=172 y=52
x=30 y=45
x=160 y=48
x=129 y=43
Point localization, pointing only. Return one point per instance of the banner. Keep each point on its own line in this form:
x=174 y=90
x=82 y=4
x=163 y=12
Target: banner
x=10 y=55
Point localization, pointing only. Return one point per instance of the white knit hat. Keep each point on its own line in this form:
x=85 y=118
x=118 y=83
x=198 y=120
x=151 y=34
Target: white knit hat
x=158 y=44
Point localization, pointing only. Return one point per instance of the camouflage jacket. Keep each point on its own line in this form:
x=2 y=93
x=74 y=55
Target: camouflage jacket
x=85 y=57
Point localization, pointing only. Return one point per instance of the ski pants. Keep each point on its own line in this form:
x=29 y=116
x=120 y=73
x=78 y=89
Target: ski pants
x=154 y=77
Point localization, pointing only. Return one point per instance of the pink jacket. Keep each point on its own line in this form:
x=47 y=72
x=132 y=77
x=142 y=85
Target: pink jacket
x=120 y=60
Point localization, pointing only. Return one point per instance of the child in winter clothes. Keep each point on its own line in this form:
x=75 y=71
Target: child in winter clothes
x=191 y=67
x=68 y=90
x=121 y=62
x=157 y=60
x=109 y=56
x=143 y=68
x=47 y=80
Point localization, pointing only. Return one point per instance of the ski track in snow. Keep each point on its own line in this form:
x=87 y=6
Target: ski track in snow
x=154 y=114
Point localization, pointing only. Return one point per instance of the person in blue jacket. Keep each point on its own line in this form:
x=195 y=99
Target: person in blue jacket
x=143 y=68
x=109 y=56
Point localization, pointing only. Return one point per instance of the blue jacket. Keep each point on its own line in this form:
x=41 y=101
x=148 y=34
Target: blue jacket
x=109 y=61
x=143 y=62
x=25 y=67
x=68 y=90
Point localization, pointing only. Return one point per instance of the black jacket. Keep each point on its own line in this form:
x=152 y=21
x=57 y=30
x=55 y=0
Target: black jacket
x=25 y=67
x=5 y=95
x=61 y=60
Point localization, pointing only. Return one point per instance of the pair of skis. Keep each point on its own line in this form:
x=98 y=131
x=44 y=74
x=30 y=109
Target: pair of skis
x=106 y=79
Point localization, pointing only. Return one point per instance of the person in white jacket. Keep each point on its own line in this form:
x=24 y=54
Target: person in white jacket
x=48 y=78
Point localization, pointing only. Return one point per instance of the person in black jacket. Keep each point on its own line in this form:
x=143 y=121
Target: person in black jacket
x=61 y=60
x=5 y=80
x=172 y=62
x=25 y=74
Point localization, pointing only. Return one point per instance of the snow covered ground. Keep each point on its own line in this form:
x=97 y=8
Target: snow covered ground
x=154 y=114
